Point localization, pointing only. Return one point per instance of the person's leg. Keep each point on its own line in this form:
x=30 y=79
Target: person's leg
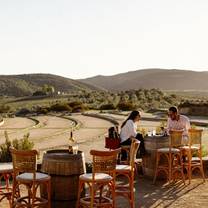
x=141 y=146
x=127 y=142
x=123 y=152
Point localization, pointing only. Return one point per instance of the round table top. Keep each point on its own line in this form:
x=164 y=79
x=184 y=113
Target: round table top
x=6 y=168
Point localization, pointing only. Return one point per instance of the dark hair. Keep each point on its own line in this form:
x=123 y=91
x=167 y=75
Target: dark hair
x=173 y=109
x=132 y=116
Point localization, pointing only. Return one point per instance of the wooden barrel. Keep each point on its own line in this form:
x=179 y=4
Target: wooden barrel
x=153 y=143
x=64 y=169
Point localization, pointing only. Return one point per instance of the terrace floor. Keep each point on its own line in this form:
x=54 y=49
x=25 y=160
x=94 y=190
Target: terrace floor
x=158 y=196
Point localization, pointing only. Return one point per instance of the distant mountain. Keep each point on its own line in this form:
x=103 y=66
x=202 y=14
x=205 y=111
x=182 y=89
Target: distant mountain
x=152 y=78
x=26 y=84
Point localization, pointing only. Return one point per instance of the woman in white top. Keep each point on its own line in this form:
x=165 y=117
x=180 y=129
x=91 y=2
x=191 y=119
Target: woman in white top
x=129 y=130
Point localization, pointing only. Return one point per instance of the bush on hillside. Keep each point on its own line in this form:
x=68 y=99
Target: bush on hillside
x=58 y=107
x=108 y=106
x=79 y=108
x=4 y=108
x=75 y=103
x=42 y=110
x=126 y=106
x=39 y=93
x=22 y=112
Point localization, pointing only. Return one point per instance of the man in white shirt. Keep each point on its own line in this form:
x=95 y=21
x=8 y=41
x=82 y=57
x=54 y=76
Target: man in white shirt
x=178 y=122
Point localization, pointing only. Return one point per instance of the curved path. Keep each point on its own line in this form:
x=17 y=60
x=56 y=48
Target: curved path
x=54 y=132
x=14 y=125
x=48 y=125
x=89 y=136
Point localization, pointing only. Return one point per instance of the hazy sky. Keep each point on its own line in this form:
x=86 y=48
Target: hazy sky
x=82 y=38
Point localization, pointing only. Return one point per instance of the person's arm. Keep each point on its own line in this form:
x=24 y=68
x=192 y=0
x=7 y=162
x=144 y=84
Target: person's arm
x=168 y=126
x=187 y=125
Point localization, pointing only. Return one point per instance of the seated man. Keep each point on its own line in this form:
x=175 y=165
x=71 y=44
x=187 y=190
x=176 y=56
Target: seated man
x=178 y=122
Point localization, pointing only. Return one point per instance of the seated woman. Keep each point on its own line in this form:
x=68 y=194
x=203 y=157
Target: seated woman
x=129 y=130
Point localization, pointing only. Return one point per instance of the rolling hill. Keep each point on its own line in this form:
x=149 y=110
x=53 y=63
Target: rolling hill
x=26 y=84
x=152 y=78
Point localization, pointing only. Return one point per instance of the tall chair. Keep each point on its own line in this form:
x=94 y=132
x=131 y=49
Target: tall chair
x=194 y=148
x=24 y=169
x=103 y=174
x=173 y=156
x=128 y=171
x=6 y=172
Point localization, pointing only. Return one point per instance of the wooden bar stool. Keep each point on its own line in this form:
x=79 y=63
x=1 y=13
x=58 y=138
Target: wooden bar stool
x=103 y=174
x=24 y=169
x=6 y=172
x=173 y=155
x=128 y=171
x=194 y=147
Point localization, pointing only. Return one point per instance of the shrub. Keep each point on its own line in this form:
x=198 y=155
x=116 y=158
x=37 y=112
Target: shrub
x=23 y=112
x=22 y=144
x=5 y=155
x=39 y=93
x=109 y=106
x=77 y=106
x=74 y=104
x=60 y=107
x=42 y=110
x=126 y=106
x=4 y=108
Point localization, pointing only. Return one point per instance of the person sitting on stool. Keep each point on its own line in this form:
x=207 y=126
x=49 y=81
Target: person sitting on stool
x=129 y=130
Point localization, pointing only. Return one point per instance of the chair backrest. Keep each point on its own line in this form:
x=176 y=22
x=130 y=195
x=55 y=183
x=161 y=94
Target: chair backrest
x=24 y=160
x=104 y=161
x=195 y=136
x=133 y=151
x=175 y=138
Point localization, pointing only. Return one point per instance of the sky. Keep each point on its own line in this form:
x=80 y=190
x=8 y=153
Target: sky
x=84 y=38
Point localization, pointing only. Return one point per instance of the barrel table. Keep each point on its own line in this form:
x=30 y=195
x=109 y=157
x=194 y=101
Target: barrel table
x=64 y=169
x=152 y=143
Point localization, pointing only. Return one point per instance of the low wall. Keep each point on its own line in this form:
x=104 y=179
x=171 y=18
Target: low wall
x=107 y=118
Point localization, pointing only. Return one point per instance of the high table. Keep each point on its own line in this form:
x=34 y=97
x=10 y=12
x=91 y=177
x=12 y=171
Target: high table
x=152 y=143
x=64 y=169
x=6 y=171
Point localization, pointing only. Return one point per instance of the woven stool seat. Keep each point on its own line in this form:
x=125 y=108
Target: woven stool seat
x=28 y=177
x=98 y=177
x=166 y=150
x=193 y=148
x=123 y=167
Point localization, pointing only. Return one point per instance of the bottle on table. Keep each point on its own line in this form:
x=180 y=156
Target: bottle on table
x=73 y=146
